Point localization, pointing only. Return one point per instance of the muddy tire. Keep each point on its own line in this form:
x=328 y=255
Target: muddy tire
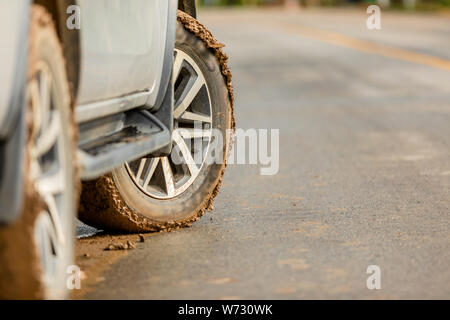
x=154 y=194
x=37 y=249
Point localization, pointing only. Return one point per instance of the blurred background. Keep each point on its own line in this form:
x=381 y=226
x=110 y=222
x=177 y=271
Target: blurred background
x=397 y=4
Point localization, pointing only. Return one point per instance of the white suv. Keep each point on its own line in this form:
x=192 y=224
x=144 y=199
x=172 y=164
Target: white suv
x=95 y=97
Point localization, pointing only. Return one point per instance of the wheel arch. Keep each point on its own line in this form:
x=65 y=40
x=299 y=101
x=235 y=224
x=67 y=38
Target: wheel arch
x=188 y=6
x=70 y=40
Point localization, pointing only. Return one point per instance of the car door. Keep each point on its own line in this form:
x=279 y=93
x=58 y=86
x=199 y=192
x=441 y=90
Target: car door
x=123 y=47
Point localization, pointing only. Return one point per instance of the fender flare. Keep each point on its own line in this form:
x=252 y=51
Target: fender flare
x=189 y=7
x=70 y=40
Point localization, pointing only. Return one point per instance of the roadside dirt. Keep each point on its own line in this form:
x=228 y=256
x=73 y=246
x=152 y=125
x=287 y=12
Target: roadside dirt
x=94 y=256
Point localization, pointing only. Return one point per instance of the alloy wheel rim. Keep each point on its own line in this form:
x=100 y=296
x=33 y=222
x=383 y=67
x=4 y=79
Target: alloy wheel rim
x=48 y=171
x=168 y=177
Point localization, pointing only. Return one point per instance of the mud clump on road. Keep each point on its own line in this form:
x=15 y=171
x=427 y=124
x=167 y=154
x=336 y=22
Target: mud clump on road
x=129 y=245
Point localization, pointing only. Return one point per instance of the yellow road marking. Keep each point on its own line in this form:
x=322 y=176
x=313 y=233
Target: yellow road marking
x=366 y=46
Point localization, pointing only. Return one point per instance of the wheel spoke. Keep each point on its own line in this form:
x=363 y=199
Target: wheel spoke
x=48 y=236
x=45 y=94
x=36 y=106
x=141 y=168
x=195 y=117
x=168 y=176
x=191 y=94
x=177 y=66
x=49 y=136
x=194 y=133
x=187 y=156
x=53 y=210
x=150 y=171
x=48 y=243
x=51 y=184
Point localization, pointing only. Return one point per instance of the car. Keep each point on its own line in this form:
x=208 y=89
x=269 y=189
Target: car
x=108 y=109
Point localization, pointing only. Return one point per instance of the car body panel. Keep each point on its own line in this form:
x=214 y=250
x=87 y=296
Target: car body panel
x=13 y=62
x=13 y=49
x=122 y=46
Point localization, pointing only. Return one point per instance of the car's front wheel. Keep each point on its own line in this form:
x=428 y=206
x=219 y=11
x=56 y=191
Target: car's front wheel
x=170 y=192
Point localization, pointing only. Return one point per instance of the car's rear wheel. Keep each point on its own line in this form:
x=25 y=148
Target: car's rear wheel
x=36 y=250
x=162 y=193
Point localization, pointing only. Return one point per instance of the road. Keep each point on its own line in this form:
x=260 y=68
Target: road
x=364 y=177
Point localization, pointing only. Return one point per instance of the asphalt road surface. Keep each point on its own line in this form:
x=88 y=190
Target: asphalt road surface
x=364 y=175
